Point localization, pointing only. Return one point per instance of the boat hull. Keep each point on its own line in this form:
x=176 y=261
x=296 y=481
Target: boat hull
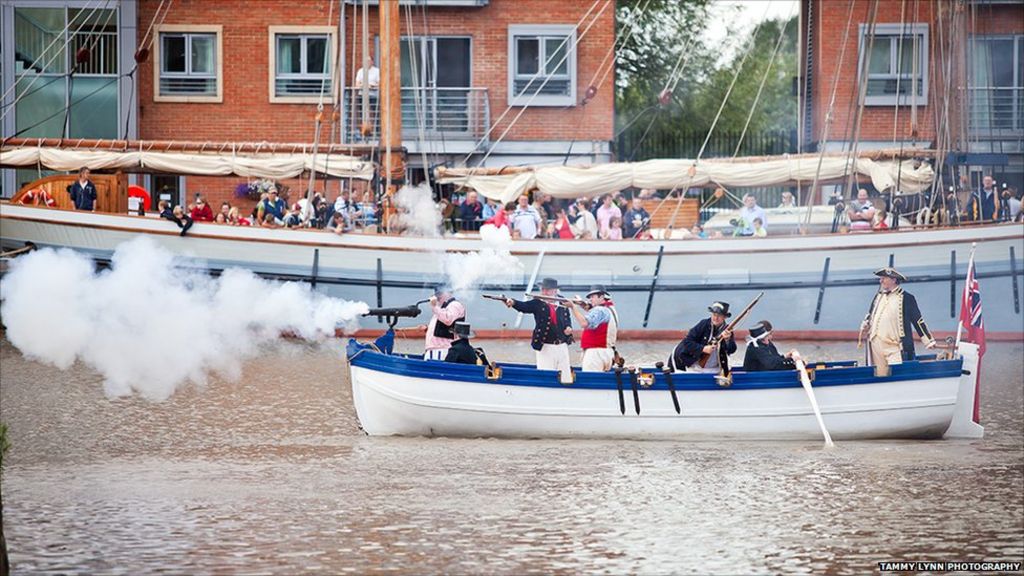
x=817 y=284
x=405 y=397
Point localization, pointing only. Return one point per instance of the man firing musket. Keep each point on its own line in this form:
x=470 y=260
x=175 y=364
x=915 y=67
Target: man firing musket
x=552 y=332
x=707 y=345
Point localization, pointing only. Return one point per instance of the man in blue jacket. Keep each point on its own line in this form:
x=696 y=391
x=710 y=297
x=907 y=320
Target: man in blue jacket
x=83 y=191
x=698 y=342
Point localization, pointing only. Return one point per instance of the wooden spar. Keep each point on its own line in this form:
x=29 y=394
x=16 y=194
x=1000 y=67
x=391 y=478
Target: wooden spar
x=883 y=154
x=186 y=146
x=393 y=167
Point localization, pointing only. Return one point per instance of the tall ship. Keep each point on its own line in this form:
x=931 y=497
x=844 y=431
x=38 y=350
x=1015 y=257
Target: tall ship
x=161 y=102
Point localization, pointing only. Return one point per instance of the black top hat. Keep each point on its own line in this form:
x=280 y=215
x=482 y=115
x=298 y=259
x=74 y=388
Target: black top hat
x=890 y=273
x=597 y=289
x=441 y=289
x=760 y=329
x=549 y=284
x=463 y=330
x=720 y=308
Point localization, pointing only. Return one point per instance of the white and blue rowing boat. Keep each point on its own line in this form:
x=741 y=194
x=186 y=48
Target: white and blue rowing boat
x=401 y=395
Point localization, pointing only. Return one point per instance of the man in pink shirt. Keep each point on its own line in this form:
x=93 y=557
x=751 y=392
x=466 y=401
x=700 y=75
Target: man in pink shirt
x=447 y=311
x=605 y=213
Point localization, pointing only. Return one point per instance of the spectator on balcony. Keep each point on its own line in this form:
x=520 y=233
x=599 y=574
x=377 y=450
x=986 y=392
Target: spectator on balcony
x=759 y=231
x=526 y=220
x=367 y=210
x=861 y=212
x=501 y=216
x=490 y=209
x=235 y=218
x=269 y=221
x=471 y=212
x=748 y=213
x=881 y=221
x=275 y=207
x=83 y=191
x=368 y=75
x=984 y=204
x=1013 y=205
x=787 y=201
x=614 y=230
x=220 y=218
x=605 y=213
x=635 y=219
x=585 y=225
x=225 y=209
x=202 y=211
x=542 y=202
x=561 y=228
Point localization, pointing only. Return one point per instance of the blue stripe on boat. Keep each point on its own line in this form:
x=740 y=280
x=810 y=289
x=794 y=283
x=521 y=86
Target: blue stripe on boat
x=835 y=374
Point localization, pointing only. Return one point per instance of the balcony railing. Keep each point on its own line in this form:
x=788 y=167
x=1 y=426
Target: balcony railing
x=996 y=110
x=431 y=113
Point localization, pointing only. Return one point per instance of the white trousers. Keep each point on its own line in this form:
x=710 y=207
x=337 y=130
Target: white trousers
x=435 y=354
x=555 y=357
x=598 y=359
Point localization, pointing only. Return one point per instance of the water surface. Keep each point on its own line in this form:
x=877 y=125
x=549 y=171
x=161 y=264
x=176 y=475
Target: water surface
x=271 y=473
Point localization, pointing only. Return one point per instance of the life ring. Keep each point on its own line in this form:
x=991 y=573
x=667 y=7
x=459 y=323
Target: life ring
x=38 y=197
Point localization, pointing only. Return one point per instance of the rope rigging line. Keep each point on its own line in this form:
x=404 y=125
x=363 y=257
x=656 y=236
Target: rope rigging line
x=61 y=52
x=862 y=93
x=318 y=122
x=533 y=79
x=829 y=115
x=87 y=48
x=547 y=79
x=760 y=88
x=418 y=92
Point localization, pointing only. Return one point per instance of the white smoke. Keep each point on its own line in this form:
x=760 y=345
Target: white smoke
x=492 y=264
x=154 y=321
x=417 y=212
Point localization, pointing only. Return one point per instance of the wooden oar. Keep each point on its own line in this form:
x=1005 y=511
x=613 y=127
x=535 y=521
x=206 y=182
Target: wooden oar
x=636 y=390
x=618 y=384
x=667 y=372
x=806 y=381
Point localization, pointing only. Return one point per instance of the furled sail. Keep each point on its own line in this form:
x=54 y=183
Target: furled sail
x=245 y=161
x=590 y=181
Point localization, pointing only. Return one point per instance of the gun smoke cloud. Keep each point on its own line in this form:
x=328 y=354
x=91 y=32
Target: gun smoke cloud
x=493 y=264
x=155 y=321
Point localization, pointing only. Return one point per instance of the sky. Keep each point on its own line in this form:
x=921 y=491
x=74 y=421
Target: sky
x=746 y=14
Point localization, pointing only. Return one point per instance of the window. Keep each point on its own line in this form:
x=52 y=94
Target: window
x=898 y=64
x=542 y=65
x=189 y=68
x=997 y=82
x=302 y=60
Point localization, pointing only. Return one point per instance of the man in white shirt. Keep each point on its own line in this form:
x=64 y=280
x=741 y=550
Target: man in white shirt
x=526 y=220
x=372 y=79
x=748 y=213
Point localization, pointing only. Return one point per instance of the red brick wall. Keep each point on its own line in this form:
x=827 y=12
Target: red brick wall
x=246 y=113
x=878 y=121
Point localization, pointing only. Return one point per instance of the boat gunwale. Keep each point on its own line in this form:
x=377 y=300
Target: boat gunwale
x=527 y=377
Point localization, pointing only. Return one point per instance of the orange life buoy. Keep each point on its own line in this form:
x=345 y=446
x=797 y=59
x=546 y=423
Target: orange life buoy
x=38 y=197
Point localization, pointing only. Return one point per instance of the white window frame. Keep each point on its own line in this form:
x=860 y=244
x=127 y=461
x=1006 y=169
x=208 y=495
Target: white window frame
x=218 y=32
x=908 y=31
x=518 y=30
x=332 y=45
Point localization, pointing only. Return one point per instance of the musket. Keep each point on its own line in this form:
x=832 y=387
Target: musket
x=739 y=318
x=561 y=300
x=393 y=314
x=501 y=298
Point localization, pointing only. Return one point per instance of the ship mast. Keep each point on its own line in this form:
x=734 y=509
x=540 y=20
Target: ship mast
x=393 y=167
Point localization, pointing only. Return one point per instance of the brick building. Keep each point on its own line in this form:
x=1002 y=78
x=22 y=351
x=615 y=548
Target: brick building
x=944 y=74
x=236 y=70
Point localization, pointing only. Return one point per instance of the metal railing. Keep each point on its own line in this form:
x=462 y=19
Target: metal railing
x=995 y=109
x=32 y=38
x=449 y=113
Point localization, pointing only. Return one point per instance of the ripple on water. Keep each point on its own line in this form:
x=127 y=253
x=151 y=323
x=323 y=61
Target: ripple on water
x=270 y=473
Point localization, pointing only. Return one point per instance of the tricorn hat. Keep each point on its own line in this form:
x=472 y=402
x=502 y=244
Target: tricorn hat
x=597 y=289
x=890 y=272
x=441 y=289
x=720 y=308
x=760 y=329
x=549 y=284
x=463 y=329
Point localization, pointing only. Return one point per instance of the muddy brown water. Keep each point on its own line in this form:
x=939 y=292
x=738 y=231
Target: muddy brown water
x=271 y=474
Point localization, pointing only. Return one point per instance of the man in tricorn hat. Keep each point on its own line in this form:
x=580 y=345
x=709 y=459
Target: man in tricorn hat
x=552 y=331
x=462 y=352
x=889 y=320
x=447 y=311
x=698 y=341
x=761 y=353
x=600 y=330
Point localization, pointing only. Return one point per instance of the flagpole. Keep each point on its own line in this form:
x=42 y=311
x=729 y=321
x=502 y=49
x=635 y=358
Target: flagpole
x=959 y=322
